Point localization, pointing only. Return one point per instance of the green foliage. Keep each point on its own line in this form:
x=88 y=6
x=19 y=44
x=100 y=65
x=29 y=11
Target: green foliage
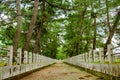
x=68 y=23
x=60 y=56
x=61 y=53
x=7 y=35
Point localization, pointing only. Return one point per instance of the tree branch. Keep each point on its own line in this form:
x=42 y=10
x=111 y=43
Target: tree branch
x=58 y=6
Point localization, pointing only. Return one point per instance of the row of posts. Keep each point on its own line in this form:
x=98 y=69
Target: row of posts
x=29 y=57
x=99 y=56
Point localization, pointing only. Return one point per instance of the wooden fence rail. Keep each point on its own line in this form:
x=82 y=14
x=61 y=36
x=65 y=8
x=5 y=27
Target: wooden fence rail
x=31 y=61
x=98 y=62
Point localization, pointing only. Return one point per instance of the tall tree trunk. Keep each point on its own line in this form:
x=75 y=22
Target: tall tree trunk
x=94 y=39
x=113 y=29
x=17 y=35
x=88 y=34
x=38 y=36
x=39 y=31
x=53 y=54
x=32 y=24
x=93 y=15
x=87 y=45
x=77 y=48
x=107 y=11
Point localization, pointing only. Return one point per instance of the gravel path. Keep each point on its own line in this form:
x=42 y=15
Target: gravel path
x=60 y=71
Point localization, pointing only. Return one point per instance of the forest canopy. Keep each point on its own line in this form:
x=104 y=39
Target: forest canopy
x=59 y=28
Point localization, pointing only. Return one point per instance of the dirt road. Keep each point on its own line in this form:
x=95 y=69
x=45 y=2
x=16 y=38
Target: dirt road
x=60 y=71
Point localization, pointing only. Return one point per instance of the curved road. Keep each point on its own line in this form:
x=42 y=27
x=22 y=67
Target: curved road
x=60 y=71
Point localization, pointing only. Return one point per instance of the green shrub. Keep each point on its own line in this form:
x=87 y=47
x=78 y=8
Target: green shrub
x=60 y=56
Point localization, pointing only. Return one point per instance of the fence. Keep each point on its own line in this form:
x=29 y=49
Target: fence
x=98 y=62
x=31 y=61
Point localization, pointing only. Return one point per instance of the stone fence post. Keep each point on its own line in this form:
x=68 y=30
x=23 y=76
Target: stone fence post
x=30 y=57
x=94 y=55
x=19 y=56
x=0 y=74
x=10 y=54
x=87 y=56
x=101 y=55
x=34 y=57
x=25 y=57
x=90 y=56
x=37 y=58
x=110 y=54
x=84 y=57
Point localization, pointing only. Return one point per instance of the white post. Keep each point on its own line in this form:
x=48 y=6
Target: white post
x=40 y=59
x=26 y=57
x=83 y=57
x=86 y=56
x=30 y=57
x=110 y=57
x=89 y=56
x=34 y=56
x=94 y=54
x=18 y=58
x=19 y=55
x=37 y=58
x=10 y=54
x=0 y=73
x=101 y=55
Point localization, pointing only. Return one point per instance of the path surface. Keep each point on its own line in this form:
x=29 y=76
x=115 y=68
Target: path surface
x=60 y=71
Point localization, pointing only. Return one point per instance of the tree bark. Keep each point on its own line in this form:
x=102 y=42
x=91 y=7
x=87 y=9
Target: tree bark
x=77 y=48
x=94 y=39
x=108 y=21
x=32 y=24
x=38 y=36
x=17 y=35
x=113 y=29
x=39 y=30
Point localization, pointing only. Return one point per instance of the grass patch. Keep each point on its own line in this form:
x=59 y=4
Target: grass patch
x=3 y=63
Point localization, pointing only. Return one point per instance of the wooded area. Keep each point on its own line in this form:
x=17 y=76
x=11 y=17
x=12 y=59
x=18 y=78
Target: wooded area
x=59 y=28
